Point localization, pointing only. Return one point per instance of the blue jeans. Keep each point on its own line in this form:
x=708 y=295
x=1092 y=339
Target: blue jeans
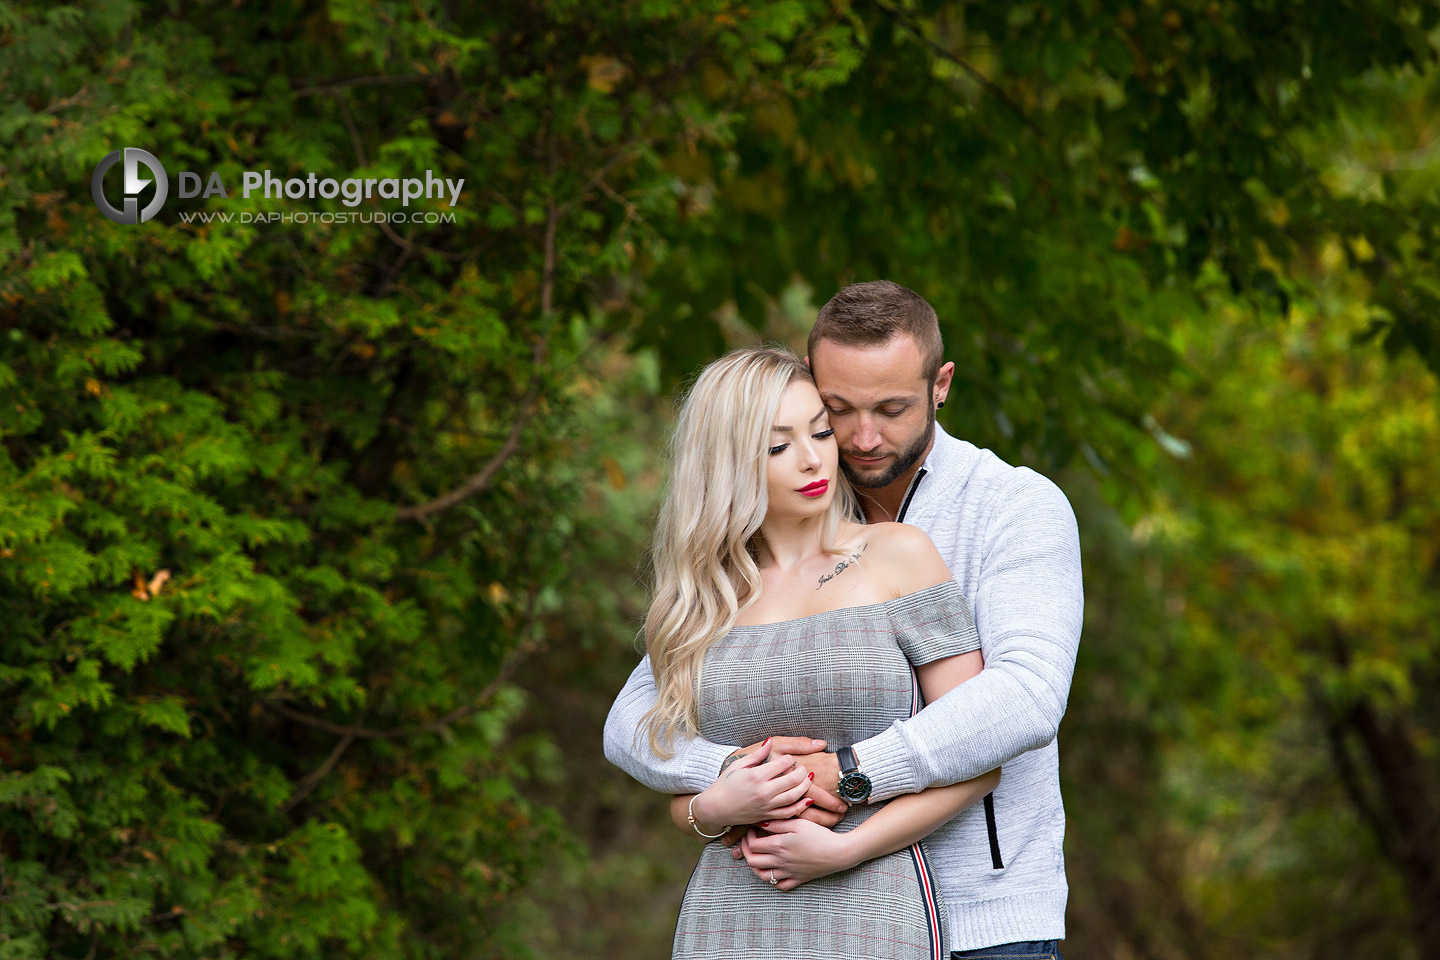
x=1032 y=949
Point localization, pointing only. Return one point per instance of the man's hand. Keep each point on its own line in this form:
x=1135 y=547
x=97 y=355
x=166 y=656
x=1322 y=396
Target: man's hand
x=825 y=808
x=791 y=746
x=825 y=769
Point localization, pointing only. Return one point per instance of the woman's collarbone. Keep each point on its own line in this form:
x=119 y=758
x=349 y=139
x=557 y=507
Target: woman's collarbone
x=798 y=597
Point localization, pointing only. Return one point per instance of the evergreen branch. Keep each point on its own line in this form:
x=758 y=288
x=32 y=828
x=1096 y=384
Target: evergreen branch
x=78 y=907
x=350 y=733
x=409 y=246
x=528 y=404
x=528 y=645
x=506 y=671
x=438 y=725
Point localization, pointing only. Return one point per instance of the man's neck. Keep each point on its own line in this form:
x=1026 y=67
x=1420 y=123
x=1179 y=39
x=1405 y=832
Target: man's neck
x=884 y=503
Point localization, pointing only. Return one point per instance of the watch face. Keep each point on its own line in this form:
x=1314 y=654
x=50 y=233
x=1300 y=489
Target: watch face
x=854 y=787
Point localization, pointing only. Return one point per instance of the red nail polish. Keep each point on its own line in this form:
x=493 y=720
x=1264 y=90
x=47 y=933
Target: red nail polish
x=808 y=801
x=764 y=823
x=767 y=740
x=812 y=776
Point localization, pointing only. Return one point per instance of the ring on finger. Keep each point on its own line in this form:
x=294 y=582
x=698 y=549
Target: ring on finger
x=773 y=881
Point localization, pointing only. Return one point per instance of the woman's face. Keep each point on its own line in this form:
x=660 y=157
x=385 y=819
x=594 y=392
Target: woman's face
x=803 y=460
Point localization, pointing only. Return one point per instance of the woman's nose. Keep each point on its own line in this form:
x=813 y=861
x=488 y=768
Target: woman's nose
x=810 y=456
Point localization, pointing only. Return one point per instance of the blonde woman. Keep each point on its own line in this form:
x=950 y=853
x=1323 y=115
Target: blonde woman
x=775 y=612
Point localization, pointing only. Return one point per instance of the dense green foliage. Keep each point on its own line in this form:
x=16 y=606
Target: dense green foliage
x=350 y=450
x=319 y=541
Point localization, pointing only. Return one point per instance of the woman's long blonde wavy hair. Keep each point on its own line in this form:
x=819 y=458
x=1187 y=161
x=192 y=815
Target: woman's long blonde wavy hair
x=704 y=553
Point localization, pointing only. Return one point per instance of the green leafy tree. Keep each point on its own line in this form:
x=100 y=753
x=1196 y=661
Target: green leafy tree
x=1302 y=551
x=1261 y=640
x=287 y=505
x=1056 y=177
x=284 y=503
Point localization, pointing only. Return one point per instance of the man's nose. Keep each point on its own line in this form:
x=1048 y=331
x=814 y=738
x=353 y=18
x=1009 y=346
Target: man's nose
x=866 y=437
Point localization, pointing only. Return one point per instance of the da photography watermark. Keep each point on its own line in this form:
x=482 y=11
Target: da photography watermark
x=351 y=191
x=135 y=184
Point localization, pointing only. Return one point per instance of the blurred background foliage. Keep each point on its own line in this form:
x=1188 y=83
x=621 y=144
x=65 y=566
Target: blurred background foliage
x=322 y=545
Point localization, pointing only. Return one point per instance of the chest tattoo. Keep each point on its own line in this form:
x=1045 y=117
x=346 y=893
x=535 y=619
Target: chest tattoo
x=853 y=558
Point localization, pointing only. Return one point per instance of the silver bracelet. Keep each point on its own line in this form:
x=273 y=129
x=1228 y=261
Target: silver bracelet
x=696 y=827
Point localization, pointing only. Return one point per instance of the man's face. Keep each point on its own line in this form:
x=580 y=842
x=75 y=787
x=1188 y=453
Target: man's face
x=881 y=406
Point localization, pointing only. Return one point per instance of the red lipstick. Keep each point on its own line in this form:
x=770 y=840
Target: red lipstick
x=816 y=489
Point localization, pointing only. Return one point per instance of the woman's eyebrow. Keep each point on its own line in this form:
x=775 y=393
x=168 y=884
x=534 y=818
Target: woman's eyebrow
x=784 y=429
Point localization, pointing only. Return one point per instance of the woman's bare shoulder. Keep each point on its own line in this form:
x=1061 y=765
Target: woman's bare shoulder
x=905 y=557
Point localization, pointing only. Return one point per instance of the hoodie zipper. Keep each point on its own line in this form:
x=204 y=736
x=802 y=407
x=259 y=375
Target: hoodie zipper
x=910 y=494
x=990 y=828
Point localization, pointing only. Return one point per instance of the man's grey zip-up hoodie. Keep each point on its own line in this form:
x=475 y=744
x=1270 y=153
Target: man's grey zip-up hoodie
x=1009 y=538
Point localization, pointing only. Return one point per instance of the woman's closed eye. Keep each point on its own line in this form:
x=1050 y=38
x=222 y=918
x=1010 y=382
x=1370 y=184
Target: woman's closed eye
x=822 y=435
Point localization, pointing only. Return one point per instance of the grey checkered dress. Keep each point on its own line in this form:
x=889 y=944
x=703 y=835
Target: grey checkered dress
x=844 y=676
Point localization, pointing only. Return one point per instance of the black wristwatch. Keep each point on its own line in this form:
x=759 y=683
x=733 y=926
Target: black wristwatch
x=854 y=785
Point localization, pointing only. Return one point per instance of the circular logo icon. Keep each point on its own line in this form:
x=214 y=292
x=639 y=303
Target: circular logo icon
x=134 y=183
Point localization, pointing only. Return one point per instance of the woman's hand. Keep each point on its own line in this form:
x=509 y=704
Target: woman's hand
x=755 y=788
x=795 y=851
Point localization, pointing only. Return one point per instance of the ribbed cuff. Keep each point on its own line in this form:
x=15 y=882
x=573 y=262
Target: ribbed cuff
x=702 y=765
x=884 y=758
x=988 y=923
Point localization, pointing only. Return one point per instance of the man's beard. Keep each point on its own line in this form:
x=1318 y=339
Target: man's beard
x=903 y=461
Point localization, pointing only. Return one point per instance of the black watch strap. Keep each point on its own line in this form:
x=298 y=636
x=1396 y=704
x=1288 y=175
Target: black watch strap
x=854 y=785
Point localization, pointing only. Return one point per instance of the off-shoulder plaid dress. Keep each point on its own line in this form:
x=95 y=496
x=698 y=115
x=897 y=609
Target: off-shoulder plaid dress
x=844 y=676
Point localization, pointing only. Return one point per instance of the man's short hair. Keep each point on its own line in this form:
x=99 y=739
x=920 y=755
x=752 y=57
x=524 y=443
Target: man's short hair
x=876 y=312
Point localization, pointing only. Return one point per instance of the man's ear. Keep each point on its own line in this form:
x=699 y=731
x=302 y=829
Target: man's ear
x=942 y=380
x=812 y=369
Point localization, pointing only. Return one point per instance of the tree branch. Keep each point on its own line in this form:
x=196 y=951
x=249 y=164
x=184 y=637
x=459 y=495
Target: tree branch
x=1351 y=779
x=410 y=246
x=990 y=86
x=312 y=779
x=354 y=133
x=335 y=86
x=57 y=105
x=598 y=177
x=552 y=220
x=480 y=481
